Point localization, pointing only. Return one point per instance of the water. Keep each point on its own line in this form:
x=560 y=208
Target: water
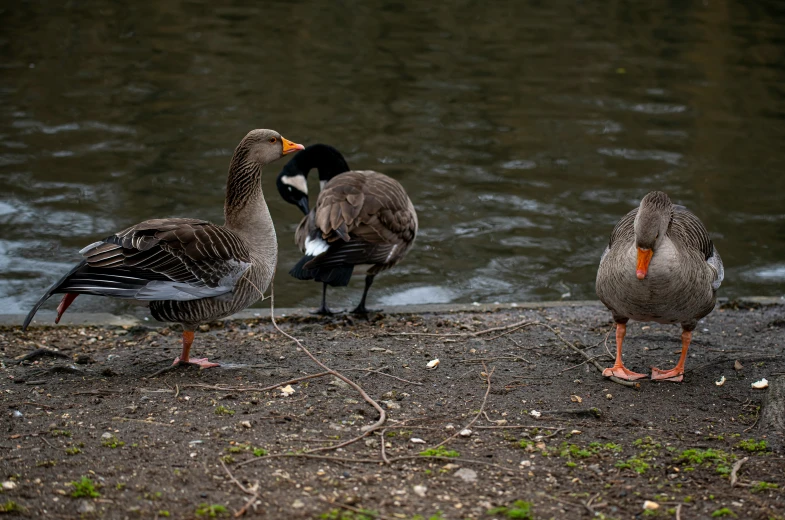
x=522 y=130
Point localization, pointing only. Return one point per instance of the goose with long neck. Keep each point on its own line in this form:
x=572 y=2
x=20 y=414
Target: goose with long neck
x=363 y=221
x=660 y=265
x=190 y=271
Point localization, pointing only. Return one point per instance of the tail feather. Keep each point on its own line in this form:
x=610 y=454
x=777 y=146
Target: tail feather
x=49 y=293
x=335 y=276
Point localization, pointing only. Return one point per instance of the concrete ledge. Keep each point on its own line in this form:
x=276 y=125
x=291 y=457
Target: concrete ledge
x=46 y=318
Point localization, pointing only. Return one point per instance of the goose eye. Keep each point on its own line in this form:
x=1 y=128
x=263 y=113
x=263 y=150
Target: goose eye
x=273 y=139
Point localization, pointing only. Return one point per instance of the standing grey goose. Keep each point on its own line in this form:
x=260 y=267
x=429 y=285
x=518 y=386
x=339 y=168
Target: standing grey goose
x=660 y=265
x=191 y=271
x=363 y=222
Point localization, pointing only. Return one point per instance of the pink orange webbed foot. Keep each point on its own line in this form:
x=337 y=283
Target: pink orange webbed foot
x=200 y=362
x=622 y=372
x=675 y=374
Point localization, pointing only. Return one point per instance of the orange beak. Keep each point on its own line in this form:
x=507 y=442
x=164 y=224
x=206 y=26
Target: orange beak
x=644 y=257
x=289 y=147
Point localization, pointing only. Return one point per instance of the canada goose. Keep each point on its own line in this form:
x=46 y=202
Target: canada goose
x=363 y=221
x=660 y=265
x=191 y=271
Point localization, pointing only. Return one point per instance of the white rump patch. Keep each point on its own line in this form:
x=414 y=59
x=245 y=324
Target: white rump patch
x=315 y=246
x=297 y=182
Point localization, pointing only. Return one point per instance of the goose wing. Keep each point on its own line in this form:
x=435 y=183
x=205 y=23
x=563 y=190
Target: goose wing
x=360 y=218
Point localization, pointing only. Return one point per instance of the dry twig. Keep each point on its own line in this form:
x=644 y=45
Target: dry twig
x=253 y=491
x=734 y=472
x=518 y=325
x=482 y=407
x=615 y=379
x=366 y=429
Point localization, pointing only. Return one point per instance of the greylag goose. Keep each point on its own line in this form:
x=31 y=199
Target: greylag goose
x=363 y=221
x=660 y=265
x=191 y=271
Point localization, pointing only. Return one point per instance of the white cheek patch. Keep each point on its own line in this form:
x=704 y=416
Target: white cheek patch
x=297 y=182
x=315 y=246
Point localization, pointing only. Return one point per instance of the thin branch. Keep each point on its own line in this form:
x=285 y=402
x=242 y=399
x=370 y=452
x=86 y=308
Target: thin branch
x=615 y=379
x=384 y=374
x=735 y=471
x=366 y=429
x=518 y=325
x=482 y=407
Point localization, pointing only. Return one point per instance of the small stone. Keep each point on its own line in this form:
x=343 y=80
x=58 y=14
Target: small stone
x=245 y=424
x=391 y=405
x=85 y=507
x=466 y=432
x=608 y=396
x=106 y=435
x=432 y=364
x=535 y=413
x=466 y=474
x=17 y=414
x=287 y=390
x=204 y=328
x=9 y=484
x=416 y=440
x=449 y=427
x=650 y=506
x=760 y=385
x=576 y=399
x=526 y=463
x=737 y=365
x=298 y=504
x=420 y=491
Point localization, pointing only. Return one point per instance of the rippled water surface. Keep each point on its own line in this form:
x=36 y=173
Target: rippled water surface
x=522 y=130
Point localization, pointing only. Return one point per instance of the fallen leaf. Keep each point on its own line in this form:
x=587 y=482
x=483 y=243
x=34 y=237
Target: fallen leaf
x=416 y=440
x=287 y=390
x=432 y=364
x=576 y=399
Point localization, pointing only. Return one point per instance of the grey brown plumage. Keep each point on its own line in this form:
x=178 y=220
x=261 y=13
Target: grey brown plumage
x=682 y=269
x=363 y=221
x=191 y=271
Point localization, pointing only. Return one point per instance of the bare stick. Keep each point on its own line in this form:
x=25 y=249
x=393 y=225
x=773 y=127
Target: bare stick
x=482 y=407
x=384 y=455
x=383 y=374
x=253 y=491
x=734 y=472
x=517 y=427
x=518 y=325
x=678 y=512
x=584 y=354
x=366 y=429
x=581 y=363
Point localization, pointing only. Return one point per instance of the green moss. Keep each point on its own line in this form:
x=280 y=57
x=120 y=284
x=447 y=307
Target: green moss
x=228 y=459
x=222 y=410
x=636 y=464
x=752 y=446
x=519 y=509
x=11 y=507
x=695 y=456
x=164 y=513
x=441 y=451
x=73 y=450
x=571 y=464
x=45 y=463
x=84 y=487
x=211 y=510
x=259 y=452
x=719 y=513
x=113 y=442
x=763 y=486
x=60 y=433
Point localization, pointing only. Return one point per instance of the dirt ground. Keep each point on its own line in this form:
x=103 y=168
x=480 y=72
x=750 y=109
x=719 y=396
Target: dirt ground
x=553 y=439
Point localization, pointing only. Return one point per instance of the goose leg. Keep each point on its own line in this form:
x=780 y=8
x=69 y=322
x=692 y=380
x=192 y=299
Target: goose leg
x=185 y=359
x=361 y=309
x=618 y=369
x=676 y=373
x=323 y=310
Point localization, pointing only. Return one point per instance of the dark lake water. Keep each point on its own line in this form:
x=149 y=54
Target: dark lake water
x=522 y=129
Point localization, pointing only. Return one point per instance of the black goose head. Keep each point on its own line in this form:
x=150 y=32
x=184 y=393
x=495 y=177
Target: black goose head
x=292 y=181
x=651 y=225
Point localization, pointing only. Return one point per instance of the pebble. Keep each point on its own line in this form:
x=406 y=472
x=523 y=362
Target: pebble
x=420 y=491
x=650 y=506
x=298 y=504
x=466 y=432
x=85 y=507
x=18 y=414
x=466 y=474
x=9 y=484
